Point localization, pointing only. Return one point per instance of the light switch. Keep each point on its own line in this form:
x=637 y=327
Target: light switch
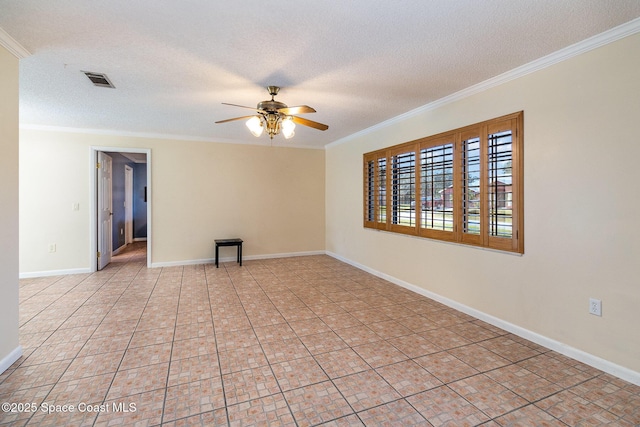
x=76 y=206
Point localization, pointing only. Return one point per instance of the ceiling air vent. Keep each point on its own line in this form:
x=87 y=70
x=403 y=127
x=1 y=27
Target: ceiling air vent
x=99 y=79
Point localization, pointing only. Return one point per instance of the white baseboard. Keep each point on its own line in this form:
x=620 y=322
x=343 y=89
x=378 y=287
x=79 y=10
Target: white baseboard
x=233 y=259
x=33 y=274
x=140 y=239
x=283 y=255
x=8 y=360
x=582 y=356
x=184 y=262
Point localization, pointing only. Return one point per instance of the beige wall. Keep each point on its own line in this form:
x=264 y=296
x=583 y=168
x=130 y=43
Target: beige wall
x=582 y=154
x=272 y=197
x=9 y=347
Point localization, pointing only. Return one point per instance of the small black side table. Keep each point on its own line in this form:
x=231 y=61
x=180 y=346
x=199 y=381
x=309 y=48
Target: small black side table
x=229 y=242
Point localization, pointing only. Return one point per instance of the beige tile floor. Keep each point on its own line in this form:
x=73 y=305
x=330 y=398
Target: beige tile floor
x=297 y=341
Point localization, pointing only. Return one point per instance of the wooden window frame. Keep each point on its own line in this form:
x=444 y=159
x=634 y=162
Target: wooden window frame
x=391 y=188
x=373 y=194
x=432 y=142
x=378 y=198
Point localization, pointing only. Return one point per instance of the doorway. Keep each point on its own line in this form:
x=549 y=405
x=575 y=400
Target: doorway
x=130 y=199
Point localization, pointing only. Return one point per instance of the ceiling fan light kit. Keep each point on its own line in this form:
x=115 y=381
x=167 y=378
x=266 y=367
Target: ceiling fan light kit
x=255 y=126
x=275 y=116
x=288 y=127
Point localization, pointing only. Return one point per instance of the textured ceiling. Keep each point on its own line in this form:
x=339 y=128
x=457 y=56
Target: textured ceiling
x=357 y=62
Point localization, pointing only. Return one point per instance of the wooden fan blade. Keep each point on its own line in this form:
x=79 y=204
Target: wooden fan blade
x=300 y=109
x=235 y=118
x=244 y=106
x=310 y=123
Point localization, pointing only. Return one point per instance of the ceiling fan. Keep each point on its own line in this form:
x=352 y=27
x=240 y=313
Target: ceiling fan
x=275 y=116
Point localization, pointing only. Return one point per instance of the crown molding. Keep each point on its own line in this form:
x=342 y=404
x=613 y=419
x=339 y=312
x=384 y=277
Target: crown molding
x=115 y=132
x=13 y=46
x=148 y=135
x=594 y=42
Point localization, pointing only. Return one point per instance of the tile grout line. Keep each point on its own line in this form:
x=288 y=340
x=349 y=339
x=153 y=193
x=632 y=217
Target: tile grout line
x=261 y=346
x=215 y=337
x=173 y=340
x=104 y=400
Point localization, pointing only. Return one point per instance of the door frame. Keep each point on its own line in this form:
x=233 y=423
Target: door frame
x=93 y=211
x=128 y=208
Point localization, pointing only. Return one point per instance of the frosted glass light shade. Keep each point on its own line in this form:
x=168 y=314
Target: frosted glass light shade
x=288 y=128
x=255 y=126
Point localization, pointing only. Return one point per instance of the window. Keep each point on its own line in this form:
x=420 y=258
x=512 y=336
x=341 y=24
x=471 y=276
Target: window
x=403 y=190
x=381 y=187
x=462 y=186
x=436 y=188
x=375 y=201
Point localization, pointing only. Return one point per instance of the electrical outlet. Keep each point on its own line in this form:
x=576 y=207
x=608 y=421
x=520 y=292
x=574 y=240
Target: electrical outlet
x=595 y=306
x=52 y=248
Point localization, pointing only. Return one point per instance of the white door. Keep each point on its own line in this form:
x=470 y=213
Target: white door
x=128 y=204
x=105 y=211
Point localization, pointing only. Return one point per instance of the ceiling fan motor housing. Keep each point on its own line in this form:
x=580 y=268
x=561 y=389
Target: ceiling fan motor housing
x=271 y=106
